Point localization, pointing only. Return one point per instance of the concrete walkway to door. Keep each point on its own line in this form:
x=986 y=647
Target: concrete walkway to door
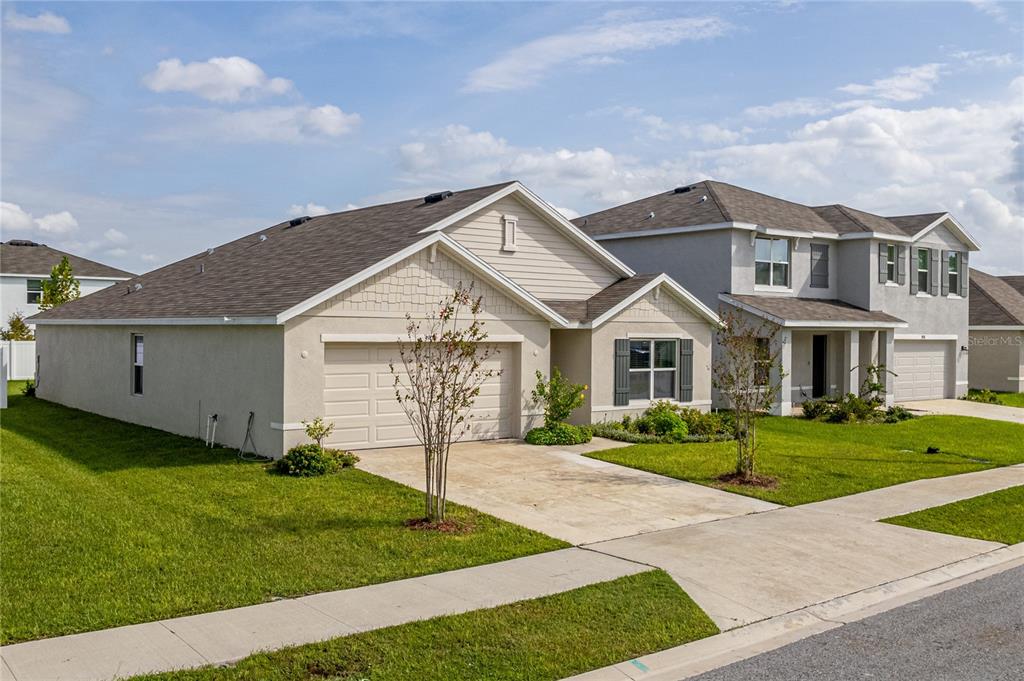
x=562 y=494
x=981 y=410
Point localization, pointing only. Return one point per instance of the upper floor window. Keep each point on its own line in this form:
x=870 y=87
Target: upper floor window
x=33 y=291
x=819 y=265
x=953 y=272
x=652 y=369
x=890 y=262
x=771 y=262
x=137 y=357
x=922 y=270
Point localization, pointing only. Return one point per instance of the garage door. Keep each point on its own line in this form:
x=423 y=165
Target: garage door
x=921 y=368
x=359 y=397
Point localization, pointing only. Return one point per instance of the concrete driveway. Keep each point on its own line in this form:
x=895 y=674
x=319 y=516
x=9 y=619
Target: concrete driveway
x=562 y=494
x=996 y=412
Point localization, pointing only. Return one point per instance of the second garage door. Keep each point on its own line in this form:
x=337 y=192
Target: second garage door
x=359 y=397
x=922 y=368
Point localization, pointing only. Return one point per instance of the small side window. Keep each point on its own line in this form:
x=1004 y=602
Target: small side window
x=137 y=361
x=33 y=291
x=954 y=273
x=890 y=262
x=922 y=270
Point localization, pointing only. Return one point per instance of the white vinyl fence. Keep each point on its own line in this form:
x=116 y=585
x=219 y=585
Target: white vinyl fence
x=21 y=360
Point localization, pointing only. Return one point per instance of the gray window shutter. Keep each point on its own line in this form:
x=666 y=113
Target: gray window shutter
x=621 y=372
x=819 y=265
x=912 y=266
x=964 y=273
x=901 y=265
x=944 y=273
x=882 y=268
x=933 y=272
x=686 y=370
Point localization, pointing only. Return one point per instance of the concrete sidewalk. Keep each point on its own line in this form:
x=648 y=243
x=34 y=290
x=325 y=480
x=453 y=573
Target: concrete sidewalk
x=228 y=635
x=981 y=410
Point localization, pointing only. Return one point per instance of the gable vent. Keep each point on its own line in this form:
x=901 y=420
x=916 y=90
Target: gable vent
x=437 y=196
x=295 y=222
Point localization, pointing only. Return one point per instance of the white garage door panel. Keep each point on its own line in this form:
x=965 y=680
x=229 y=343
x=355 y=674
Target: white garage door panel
x=922 y=370
x=359 y=397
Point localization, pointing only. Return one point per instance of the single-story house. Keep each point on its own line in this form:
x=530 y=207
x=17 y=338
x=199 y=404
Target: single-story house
x=996 y=355
x=302 y=319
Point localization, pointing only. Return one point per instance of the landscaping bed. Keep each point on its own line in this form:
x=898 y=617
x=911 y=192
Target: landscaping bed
x=546 y=638
x=814 y=460
x=998 y=516
x=107 y=523
x=993 y=397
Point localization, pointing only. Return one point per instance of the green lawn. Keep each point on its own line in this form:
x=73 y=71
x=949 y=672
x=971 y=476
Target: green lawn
x=547 y=638
x=814 y=460
x=105 y=523
x=998 y=516
x=1007 y=399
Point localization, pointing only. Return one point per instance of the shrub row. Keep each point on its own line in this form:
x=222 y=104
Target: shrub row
x=850 y=407
x=310 y=460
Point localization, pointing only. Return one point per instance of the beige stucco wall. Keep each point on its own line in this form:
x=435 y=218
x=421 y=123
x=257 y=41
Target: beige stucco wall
x=545 y=263
x=996 y=360
x=379 y=305
x=190 y=372
x=649 y=317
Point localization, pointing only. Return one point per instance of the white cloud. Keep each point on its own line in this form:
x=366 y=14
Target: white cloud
x=658 y=128
x=220 y=79
x=115 y=235
x=906 y=84
x=311 y=209
x=527 y=64
x=45 y=22
x=788 y=108
x=14 y=217
x=984 y=58
x=117 y=252
x=991 y=8
x=283 y=124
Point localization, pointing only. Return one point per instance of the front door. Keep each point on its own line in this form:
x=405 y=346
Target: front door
x=819 y=355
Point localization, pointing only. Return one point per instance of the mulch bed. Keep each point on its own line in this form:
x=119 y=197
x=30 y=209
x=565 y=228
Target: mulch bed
x=447 y=526
x=763 y=481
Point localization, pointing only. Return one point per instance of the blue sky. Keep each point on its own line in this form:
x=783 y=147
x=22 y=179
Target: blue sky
x=137 y=134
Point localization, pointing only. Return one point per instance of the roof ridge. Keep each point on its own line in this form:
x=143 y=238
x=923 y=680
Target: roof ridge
x=767 y=196
x=395 y=203
x=995 y=302
x=635 y=201
x=844 y=210
x=714 y=196
x=981 y=287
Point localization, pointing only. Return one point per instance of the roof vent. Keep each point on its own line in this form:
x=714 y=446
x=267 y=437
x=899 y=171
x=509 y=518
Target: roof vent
x=138 y=287
x=438 y=196
x=209 y=251
x=650 y=216
x=682 y=190
x=295 y=222
x=703 y=198
x=21 y=242
x=263 y=237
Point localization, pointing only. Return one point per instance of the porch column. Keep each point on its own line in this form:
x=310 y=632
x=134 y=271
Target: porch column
x=784 y=404
x=887 y=358
x=851 y=360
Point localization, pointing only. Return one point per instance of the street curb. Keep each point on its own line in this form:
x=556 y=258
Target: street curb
x=731 y=646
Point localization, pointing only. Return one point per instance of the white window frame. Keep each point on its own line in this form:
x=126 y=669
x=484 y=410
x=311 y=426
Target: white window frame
x=891 y=266
x=29 y=292
x=651 y=370
x=138 y=370
x=509 y=233
x=926 y=289
x=953 y=260
x=772 y=263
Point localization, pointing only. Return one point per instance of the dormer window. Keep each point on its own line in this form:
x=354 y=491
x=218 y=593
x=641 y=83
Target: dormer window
x=509 y=236
x=771 y=262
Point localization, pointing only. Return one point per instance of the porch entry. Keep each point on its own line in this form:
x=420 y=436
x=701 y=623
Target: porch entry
x=819 y=363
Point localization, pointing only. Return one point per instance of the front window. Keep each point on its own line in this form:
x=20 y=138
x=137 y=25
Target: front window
x=771 y=262
x=137 y=356
x=762 y=361
x=34 y=291
x=922 y=270
x=954 y=273
x=652 y=369
x=890 y=262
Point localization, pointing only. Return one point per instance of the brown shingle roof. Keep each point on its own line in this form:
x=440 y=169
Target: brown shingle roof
x=994 y=301
x=728 y=203
x=814 y=309
x=1016 y=281
x=18 y=256
x=912 y=224
x=250 y=277
x=602 y=301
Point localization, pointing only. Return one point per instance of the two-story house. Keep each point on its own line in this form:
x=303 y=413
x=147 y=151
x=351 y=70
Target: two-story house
x=304 y=318
x=24 y=265
x=848 y=288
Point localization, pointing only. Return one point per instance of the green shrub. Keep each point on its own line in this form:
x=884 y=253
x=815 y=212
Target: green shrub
x=310 y=460
x=816 y=409
x=896 y=413
x=29 y=389
x=559 y=434
x=616 y=431
x=558 y=397
x=985 y=395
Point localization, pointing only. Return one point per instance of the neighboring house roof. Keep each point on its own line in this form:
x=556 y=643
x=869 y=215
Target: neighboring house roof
x=798 y=312
x=994 y=301
x=1016 y=281
x=711 y=203
x=19 y=256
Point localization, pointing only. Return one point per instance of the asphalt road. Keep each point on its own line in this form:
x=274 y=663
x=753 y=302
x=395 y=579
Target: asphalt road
x=972 y=633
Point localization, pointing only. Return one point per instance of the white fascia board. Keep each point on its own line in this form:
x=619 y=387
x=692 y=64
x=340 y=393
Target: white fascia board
x=453 y=248
x=159 y=321
x=546 y=210
x=958 y=229
x=998 y=327
x=808 y=323
x=795 y=233
x=673 y=287
x=710 y=227
x=893 y=238
x=926 y=336
x=397 y=338
x=47 y=276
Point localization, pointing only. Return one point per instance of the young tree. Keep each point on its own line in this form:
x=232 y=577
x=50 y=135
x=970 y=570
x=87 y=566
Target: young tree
x=17 y=329
x=443 y=369
x=61 y=287
x=749 y=375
